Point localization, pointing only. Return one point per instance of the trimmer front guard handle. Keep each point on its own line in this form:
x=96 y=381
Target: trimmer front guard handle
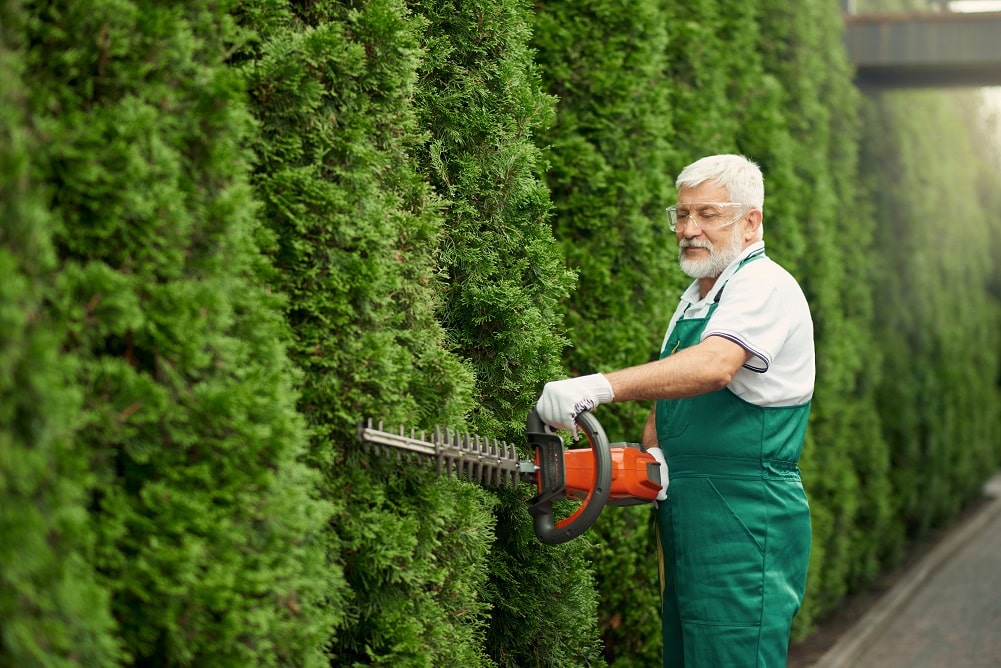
x=551 y=479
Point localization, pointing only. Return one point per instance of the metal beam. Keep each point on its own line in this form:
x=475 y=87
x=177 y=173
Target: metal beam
x=925 y=49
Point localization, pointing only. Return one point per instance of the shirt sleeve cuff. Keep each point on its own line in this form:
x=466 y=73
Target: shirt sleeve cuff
x=760 y=360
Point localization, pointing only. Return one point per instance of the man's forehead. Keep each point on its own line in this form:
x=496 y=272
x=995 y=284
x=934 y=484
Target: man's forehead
x=709 y=191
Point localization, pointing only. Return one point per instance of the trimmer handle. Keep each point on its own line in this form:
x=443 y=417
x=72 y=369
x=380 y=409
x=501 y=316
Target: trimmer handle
x=551 y=479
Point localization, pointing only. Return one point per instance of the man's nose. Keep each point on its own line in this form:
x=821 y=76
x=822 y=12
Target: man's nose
x=690 y=229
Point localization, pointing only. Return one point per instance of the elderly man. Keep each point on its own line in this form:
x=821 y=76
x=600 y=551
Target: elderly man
x=732 y=389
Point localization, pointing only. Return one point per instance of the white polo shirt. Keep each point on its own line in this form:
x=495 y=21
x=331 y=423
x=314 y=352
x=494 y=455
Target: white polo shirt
x=763 y=310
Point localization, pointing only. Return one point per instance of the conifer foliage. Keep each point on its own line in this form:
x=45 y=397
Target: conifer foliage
x=200 y=521
x=942 y=417
x=480 y=103
x=610 y=163
x=52 y=605
x=354 y=237
x=232 y=231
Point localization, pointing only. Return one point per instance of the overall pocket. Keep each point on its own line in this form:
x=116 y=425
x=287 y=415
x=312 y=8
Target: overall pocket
x=719 y=550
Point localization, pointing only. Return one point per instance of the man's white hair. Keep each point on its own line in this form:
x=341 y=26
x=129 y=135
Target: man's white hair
x=740 y=176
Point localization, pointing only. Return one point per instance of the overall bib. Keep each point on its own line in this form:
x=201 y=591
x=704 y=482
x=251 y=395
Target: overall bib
x=735 y=528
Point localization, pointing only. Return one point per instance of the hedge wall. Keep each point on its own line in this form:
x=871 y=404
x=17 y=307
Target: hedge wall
x=191 y=529
x=233 y=231
x=52 y=605
x=637 y=103
x=940 y=416
x=403 y=192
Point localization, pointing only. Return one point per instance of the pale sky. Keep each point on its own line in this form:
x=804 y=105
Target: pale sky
x=975 y=6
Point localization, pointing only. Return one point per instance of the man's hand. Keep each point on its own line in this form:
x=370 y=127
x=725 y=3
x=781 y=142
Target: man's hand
x=658 y=454
x=563 y=400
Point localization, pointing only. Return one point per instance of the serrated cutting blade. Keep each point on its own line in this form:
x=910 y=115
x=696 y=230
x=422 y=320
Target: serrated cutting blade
x=487 y=462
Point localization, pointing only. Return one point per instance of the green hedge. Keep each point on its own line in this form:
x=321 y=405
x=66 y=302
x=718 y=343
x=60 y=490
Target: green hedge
x=52 y=604
x=480 y=102
x=200 y=524
x=939 y=392
x=354 y=237
x=233 y=231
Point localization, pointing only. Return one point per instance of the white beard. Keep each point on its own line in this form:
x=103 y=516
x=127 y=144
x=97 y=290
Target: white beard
x=712 y=266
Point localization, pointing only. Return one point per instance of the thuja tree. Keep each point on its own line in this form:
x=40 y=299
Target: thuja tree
x=207 y=536
x=941 y=415
x=354 y=236
x=53 y=609
x=642 y=92
x=812 y=170
x=480 y=102
x=712 y=61
x=730 y=85
x=610 y=161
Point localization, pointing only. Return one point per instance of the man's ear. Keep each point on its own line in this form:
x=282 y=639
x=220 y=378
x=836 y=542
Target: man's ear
x=753 y=227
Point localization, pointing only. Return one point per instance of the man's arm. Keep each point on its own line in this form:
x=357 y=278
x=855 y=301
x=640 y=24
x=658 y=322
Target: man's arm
x=649 y=438
x=703 y=368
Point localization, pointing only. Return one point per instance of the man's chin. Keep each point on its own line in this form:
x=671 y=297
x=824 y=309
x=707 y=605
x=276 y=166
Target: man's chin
x=696 y=269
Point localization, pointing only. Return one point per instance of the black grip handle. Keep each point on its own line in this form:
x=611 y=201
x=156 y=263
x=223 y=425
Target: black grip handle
x=552 y=479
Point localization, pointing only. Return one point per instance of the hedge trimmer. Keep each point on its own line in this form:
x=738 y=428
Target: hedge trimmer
x=619 y=474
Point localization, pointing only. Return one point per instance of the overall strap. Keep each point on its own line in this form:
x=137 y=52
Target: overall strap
x=756 y=255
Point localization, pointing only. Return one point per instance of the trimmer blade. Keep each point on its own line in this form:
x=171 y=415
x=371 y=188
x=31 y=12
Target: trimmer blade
x=487 y=462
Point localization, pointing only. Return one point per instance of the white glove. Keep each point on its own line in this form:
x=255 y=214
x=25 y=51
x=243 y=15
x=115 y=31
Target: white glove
x=658 y=454
x=563 y=400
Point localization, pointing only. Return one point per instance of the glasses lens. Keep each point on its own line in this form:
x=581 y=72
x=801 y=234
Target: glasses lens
x=672 y=218
x=707 y=215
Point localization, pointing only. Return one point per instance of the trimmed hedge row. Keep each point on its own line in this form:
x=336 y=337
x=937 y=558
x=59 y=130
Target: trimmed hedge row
x=195 y=529
x=231 y=232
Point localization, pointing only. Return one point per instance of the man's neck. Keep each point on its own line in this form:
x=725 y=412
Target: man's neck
x=705 y=285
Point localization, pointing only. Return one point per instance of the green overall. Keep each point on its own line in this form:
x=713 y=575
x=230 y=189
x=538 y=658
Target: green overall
x=735 y=528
